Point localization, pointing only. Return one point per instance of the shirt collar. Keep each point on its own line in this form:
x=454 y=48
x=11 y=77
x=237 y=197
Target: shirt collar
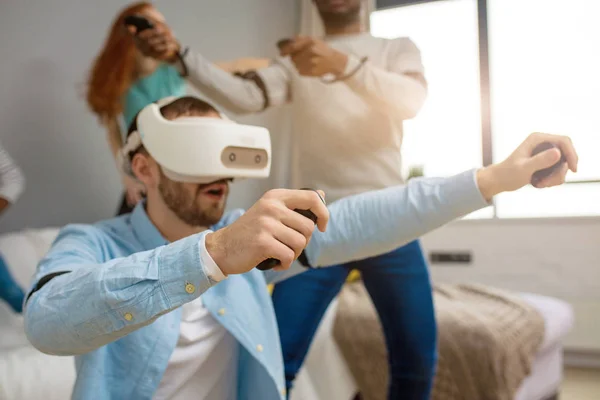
x=144 y=229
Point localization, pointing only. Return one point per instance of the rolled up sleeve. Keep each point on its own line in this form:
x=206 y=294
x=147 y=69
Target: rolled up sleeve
x=97 y=301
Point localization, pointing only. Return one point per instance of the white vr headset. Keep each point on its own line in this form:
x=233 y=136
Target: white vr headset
x=199 y=149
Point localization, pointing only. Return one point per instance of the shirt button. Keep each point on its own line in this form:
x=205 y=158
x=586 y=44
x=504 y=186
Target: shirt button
x=259 y=348
x=283 y=391
x=189 y=288
x=221 y=311
x=128 y=316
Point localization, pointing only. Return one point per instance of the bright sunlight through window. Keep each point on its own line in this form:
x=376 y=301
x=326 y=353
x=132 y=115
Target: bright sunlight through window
x=544 y=76
x=445 y=138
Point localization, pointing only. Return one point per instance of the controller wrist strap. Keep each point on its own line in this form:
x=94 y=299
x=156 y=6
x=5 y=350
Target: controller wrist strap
x=180 y=57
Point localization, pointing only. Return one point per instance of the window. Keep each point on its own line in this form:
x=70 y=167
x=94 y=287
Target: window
x=544 y=71
x=445 y=138
x=545 y=76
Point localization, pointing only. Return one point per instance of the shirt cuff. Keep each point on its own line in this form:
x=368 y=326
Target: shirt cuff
x=480 y=198
x=211 y=269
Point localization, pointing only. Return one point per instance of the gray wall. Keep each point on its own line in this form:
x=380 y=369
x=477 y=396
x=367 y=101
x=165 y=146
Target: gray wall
x=48 y=47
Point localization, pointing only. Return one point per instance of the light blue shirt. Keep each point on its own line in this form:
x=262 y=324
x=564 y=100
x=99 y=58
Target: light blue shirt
x=165 y=81
x=118 y=307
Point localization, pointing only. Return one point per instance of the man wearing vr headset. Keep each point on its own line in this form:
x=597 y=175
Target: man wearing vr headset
x=166 y=302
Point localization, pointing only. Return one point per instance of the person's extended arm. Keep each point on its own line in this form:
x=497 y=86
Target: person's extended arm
x=96 y=301
x=378 y=222
x=252 y=93
x=12 y=180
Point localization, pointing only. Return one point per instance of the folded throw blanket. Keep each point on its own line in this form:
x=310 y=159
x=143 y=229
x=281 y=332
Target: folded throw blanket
x=487 y=341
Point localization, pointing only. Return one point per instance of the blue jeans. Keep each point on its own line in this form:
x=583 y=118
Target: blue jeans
x=10 y=291
x=399 y=285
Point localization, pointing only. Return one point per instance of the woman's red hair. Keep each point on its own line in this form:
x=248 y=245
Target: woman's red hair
x=114 y=68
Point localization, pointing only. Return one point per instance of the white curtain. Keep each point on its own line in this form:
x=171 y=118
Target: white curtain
x=311 y=24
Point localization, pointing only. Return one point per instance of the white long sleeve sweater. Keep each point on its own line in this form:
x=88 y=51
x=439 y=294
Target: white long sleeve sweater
x=346 y=135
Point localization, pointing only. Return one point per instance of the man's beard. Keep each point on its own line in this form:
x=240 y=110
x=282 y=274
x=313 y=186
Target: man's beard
x=340 y=20
x=187 y=208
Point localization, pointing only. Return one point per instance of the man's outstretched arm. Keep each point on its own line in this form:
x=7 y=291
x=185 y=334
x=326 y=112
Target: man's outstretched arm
x=88 y=302
x=376 y=222
x=373 y=223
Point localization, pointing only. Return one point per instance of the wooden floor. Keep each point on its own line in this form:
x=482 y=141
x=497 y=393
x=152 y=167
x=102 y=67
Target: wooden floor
x=581 y=384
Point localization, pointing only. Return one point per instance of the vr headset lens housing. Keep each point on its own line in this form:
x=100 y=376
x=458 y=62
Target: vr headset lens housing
x=204 y=149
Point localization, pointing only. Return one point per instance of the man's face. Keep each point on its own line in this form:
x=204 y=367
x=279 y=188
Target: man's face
x=195 y=204
x=338 y=12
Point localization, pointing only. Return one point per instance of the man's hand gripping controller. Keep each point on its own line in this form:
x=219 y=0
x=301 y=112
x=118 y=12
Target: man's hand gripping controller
x=272 y=262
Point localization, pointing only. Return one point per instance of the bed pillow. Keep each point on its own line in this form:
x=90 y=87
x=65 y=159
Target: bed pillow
x=27 y=374
x=21 y=251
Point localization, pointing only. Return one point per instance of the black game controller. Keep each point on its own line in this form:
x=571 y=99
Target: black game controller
x=273 y=262
x=546 y=172
x=283 y=42
x=140 y=23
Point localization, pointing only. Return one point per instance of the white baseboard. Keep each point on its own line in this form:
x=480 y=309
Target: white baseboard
x=582 y=358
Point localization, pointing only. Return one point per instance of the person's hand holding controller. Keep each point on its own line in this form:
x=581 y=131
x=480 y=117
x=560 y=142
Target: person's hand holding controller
x=313 y=57
x=157 y=42
x=517 y=170
x=269 y=229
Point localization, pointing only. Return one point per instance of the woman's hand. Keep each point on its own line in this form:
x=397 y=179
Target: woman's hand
x=158 y=43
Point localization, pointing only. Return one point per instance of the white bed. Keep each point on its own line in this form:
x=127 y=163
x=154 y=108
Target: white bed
x=26 y=374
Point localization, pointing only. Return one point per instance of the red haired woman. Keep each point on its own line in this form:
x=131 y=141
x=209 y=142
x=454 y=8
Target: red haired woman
x=122 y=81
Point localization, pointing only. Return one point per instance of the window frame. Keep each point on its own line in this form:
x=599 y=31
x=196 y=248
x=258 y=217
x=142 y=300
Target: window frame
x=485 y=92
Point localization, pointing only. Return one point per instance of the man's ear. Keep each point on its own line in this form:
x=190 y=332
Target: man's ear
x=145 y=169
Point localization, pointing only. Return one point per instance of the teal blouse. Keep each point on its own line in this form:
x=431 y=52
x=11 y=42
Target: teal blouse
x=164 y=82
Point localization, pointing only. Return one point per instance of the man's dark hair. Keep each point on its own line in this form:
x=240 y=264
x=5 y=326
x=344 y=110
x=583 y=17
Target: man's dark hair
x=183 y=106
